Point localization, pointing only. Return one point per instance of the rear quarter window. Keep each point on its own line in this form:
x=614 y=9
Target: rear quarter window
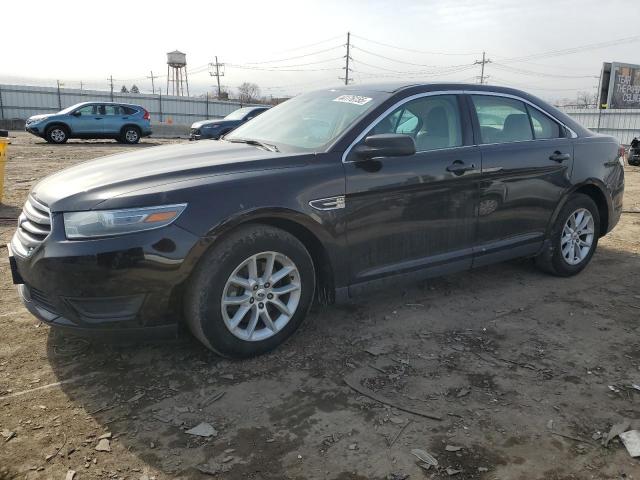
x=129 y=110
x=543 y=126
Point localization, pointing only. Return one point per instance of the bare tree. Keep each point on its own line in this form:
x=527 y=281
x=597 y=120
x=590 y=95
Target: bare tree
x=135 y=89
x=248 y=92
x=124 y=89
x=586 y=99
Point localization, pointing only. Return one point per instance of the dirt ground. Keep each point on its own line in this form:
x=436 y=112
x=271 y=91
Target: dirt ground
x=526 y=372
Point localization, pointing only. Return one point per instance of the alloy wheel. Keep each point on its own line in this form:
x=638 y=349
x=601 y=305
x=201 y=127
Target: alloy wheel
x=131 y=136
x=58 y=135
x=577 y=236
x=261 y=296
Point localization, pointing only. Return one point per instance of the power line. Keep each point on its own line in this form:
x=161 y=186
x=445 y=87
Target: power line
x=522 y=71
x=393 y=59
x=294 y=58
x=310 y=44
x=572 y=50
x=425 y=52
x=263 y=69
x=276 y=67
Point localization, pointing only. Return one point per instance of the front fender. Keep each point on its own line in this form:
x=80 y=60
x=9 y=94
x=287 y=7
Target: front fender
x=300 y=224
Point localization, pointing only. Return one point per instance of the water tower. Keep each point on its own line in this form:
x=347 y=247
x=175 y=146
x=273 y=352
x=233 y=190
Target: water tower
x=177 y=73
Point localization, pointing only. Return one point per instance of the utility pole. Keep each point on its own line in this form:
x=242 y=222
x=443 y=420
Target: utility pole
x=482 y=64
x=81 y=85
x=347 y=57
x=153 y=85
x=111 y=81
x=214 y=71
x=59 y=96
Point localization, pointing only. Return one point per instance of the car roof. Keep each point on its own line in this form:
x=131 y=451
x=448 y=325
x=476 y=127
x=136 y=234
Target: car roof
x=108 y=103
x=394 y=87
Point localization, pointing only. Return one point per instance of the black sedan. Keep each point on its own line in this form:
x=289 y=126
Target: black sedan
x=215 y=129
x=326 y=196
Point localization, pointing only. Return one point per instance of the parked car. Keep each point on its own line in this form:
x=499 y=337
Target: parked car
x=217 y=128
x=121 y=121
x=326 y=196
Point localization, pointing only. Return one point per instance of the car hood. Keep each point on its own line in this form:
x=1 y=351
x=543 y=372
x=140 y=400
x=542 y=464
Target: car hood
x=84 y=186
x=214 y=122
x=37 y=118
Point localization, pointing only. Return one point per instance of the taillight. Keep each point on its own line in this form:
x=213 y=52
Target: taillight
x=146 y=116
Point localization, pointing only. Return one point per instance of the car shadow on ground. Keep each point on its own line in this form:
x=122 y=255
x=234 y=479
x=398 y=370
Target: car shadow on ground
x=498 y=336
x=105 y=143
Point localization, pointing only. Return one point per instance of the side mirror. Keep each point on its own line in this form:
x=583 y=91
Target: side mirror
x=76 y=114
x=385 y=145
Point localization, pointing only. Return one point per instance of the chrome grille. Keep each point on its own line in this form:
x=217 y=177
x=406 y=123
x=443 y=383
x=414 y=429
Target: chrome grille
x=34 y=225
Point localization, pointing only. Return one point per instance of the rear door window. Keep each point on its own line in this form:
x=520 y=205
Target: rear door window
x=501 y=119
x=113 y=110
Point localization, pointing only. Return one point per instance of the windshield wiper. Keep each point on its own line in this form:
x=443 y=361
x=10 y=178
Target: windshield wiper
x=257 y=143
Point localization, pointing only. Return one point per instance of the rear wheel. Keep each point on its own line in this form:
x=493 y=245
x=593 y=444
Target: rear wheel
x=130 y=135
x=250 y=292
x=57 y=134
x=574 y=237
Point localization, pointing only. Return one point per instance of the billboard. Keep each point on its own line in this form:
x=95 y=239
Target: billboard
x=620 y=85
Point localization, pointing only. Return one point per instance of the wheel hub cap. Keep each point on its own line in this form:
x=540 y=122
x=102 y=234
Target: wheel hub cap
x=261 y=296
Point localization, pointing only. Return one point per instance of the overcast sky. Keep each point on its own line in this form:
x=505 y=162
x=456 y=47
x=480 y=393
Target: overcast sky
x=260 y=40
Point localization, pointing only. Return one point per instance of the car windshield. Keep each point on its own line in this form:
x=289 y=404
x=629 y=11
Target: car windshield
x=71 y=108
x=239 y=114
x=309 y=122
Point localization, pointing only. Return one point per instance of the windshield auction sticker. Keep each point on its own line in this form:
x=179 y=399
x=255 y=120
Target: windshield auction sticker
x=355 y=99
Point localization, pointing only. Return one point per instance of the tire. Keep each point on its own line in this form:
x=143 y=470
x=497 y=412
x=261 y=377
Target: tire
x=225 y=326
x=571 y=261
x=57 y=134
x=130 y=135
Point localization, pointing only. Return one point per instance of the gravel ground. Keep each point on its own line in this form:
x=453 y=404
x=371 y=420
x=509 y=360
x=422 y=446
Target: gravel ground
x=525 y=372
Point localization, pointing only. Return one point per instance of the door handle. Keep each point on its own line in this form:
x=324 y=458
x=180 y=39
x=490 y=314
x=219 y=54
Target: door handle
x=98 y=118
x=558 y=156
x=459 y=167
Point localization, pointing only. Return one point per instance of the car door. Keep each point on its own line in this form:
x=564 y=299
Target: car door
x=414 y=213
x=526 y=163
x=114 y=119
x=87 y=120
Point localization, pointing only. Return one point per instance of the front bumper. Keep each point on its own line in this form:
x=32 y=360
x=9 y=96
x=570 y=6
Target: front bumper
x=202 y=134
x=127 y=283
x=34 y=130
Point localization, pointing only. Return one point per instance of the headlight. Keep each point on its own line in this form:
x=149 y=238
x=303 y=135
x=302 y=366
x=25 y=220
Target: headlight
x=104 y=223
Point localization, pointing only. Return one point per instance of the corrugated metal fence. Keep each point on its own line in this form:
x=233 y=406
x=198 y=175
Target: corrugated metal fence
x=21 y=101
x=624 y=124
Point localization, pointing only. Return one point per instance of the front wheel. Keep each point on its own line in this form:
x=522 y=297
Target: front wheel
x=574 y=237
x=57 y=134
x=250 y=292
